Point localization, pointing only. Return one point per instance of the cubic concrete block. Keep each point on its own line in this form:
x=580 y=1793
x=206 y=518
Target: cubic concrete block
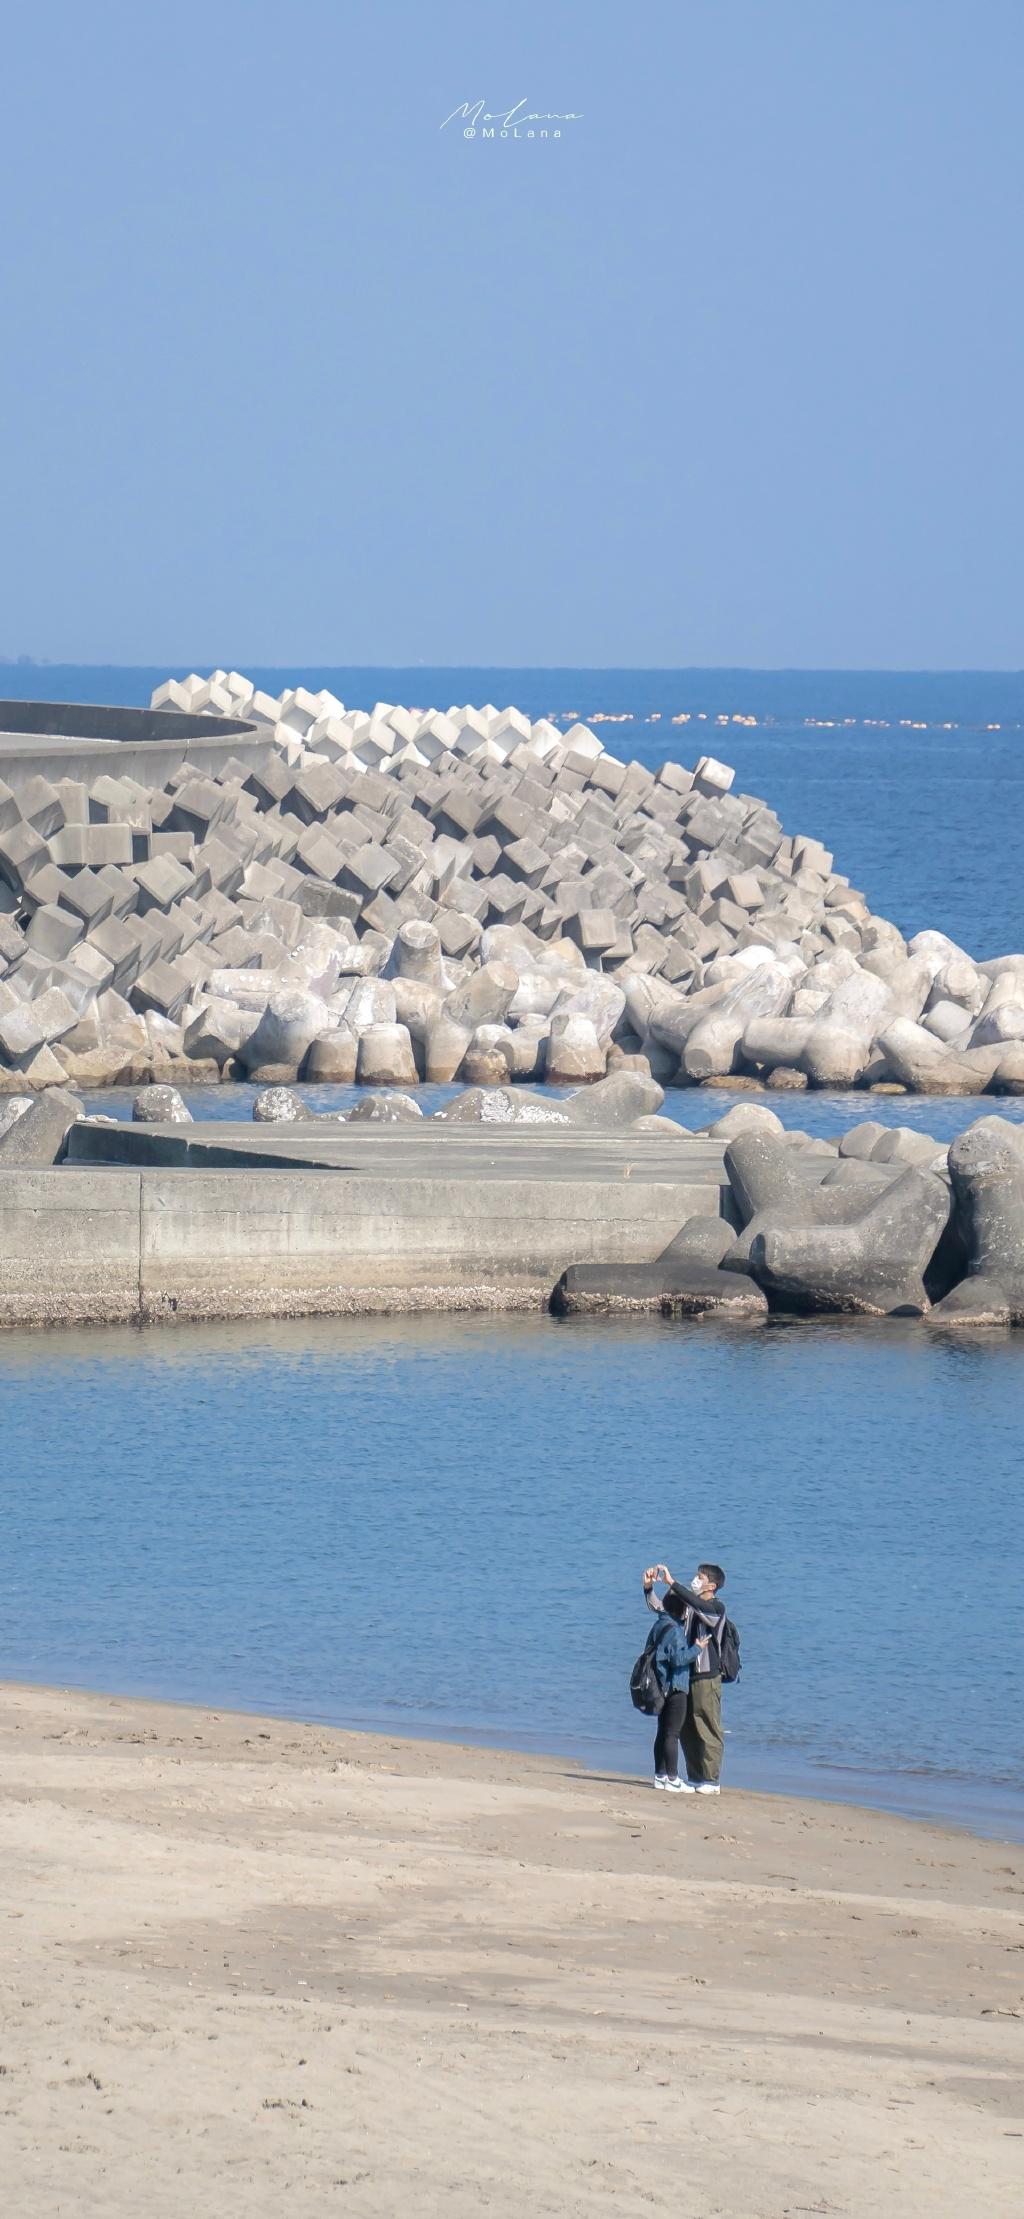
x=74 y=800
x=160 y=883
x=270 y=782
x=524 y=860
x=506 y=900
x=171 y=695
x=369 y=870
x=457 y=811
x=113 y=941
x=316 y=792
x=163 y=987
x=21 y=850
x=12 y=942
x=147 y=845
x=53 y=931
x=13 y=1106
x=111 y=800
x=199 y=805
x=459 y=934
x=38 y=1137
x=40 y=807
x=80 y=844
x=20 y=1035
x=593 y=930
x=87 y=896
x=319 y=855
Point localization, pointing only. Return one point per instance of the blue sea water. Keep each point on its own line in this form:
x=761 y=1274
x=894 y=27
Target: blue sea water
x=693 y=1108
x=437 y=1526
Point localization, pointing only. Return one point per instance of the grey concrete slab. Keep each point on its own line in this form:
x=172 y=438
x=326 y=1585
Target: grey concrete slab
x=298 y=1222
x=424 y=1150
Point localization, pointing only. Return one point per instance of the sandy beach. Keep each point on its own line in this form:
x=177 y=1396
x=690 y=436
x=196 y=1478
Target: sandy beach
x=252 y=1966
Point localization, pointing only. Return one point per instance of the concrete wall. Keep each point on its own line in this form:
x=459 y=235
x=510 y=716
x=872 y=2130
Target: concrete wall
x=81 y=739
x=90 y=720
x=69 y=1247
x=104 y=1246
x=151 y=762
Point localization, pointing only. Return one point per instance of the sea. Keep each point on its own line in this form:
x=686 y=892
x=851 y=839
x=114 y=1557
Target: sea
x=437 y=1526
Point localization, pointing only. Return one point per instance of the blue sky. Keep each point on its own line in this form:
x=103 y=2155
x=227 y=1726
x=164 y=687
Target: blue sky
x=730 y=373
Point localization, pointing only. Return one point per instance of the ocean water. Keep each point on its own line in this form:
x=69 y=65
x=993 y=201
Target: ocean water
x=822 y=1113
x=914 y=779
x=438 y=1527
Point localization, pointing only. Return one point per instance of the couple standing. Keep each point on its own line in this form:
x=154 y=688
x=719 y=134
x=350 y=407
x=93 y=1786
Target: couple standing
x=687 y=1655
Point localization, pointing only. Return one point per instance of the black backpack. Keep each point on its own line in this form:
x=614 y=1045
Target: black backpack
x=728 y=1641
x=645 y=1688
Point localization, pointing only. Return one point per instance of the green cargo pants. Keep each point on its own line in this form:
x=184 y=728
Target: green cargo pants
x=702 y=1730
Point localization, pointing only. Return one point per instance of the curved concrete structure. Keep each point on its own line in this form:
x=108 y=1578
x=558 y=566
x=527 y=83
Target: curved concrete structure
x=89 y=720
x=70 y=739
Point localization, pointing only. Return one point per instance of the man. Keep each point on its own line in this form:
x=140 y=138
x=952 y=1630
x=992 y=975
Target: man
x=698 y=1611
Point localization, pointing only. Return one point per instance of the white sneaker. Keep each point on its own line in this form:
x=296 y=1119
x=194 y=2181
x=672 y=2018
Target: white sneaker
x=706 y=1787
x=661 y=1779
x=679 y=1787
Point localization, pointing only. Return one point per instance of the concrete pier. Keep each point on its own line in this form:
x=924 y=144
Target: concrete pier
x=132 y=1230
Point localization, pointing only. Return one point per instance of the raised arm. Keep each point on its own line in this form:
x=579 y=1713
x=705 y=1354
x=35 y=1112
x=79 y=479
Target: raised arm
x=653 y=1574
x=707 y=1608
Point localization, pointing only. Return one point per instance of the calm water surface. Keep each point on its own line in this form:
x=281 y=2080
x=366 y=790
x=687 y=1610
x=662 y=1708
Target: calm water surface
x=438 y=1526
x=691 y=1107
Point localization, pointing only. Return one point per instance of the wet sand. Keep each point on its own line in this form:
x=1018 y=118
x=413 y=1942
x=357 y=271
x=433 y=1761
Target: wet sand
x=255 y=1968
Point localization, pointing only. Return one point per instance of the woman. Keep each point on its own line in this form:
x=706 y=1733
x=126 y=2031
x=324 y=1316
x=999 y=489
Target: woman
x=673 y=1656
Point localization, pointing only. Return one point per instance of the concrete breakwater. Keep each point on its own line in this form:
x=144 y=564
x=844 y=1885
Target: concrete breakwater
x=317 y=1219
x=230 y=885
x=503 y=1201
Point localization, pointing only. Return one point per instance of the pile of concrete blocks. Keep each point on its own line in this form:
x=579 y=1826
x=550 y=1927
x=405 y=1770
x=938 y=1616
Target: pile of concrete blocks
x=397 y=896
x=884 y=1223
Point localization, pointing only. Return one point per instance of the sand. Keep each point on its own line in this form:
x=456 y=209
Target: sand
x=261 y=1968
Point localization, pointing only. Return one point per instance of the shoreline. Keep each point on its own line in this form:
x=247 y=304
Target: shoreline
x=248 y=1958
x=826 y=1783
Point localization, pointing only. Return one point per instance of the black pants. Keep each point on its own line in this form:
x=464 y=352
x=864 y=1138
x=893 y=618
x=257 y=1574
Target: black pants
x=666 y=1740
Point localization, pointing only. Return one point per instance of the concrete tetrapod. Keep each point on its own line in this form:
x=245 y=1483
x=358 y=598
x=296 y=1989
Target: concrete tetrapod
x=987 y=1168
x=684 y=1281
x=502 y=1105
x=873 y=1262
x=617 y=1100
x=770 y=1180
x=676 y=1288
x=160 y=1105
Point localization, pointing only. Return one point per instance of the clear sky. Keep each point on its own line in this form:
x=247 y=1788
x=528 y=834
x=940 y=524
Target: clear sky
x=730 y=373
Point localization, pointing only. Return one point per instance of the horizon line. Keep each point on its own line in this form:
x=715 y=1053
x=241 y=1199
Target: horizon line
x=670 y=670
